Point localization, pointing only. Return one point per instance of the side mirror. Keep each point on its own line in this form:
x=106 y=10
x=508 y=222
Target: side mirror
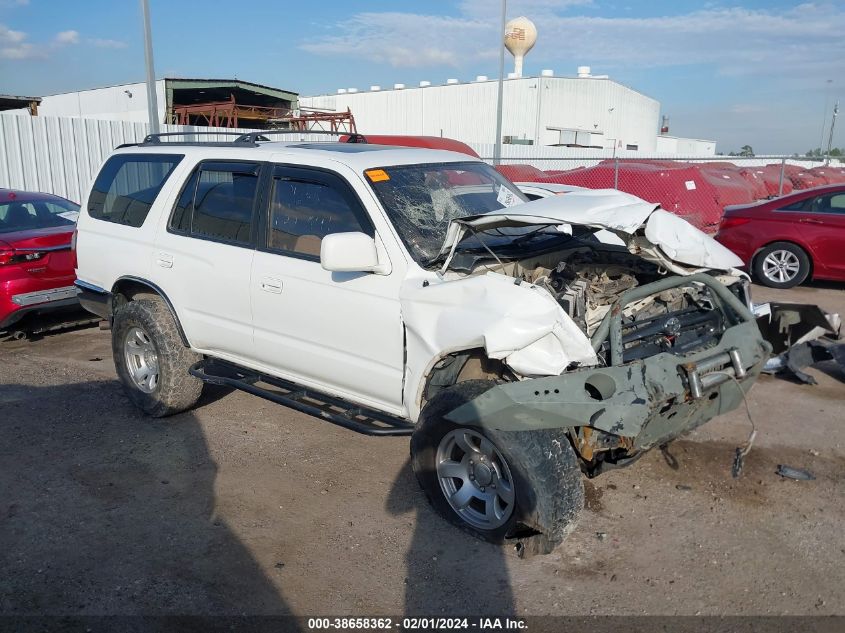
x=349 y=253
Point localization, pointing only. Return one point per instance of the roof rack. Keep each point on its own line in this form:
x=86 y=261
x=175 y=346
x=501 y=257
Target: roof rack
x=249 y=139
x=254 y=137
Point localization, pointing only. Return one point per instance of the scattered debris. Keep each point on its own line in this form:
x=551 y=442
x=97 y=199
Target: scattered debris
x=683 y=487
x=801 y=335
x=786 y=325
x=800 y=474
x=803 y=355
x=601 y=535
x=670 y=459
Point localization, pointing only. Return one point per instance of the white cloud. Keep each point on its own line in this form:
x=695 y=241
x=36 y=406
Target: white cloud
x=402 y=39
x=106 y=43
x=11 y=4
x=64 y=38
x=480 y=8
x=14 y=45
x=803 y=41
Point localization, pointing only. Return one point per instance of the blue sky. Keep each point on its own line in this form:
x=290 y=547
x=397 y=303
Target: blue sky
x=735 y=71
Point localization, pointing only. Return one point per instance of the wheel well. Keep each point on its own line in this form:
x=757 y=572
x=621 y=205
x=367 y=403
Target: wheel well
x=470 y=364
x=131 y=289
x=793 y=243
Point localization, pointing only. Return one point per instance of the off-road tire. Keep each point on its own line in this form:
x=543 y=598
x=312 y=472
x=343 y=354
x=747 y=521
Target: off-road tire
x=804 y=265
x=547 y=478
x=177 y=390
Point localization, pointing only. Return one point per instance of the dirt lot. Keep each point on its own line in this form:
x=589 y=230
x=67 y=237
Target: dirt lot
x=244 y=507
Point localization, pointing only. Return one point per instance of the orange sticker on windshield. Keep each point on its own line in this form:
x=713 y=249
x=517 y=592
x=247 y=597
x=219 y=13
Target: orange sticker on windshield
x=377 y=175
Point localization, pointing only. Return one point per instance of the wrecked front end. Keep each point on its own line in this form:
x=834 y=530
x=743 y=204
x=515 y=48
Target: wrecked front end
x=661 y=373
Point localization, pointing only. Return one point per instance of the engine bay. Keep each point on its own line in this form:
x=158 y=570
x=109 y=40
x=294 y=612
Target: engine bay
x=587 y=280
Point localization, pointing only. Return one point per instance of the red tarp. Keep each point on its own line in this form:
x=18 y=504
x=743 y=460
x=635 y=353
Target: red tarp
x=521 y=173
x=680 y=189
x=831 y=175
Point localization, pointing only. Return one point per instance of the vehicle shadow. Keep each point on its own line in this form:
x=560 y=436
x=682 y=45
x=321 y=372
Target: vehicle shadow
x=36 y=327
x=105 y=511
x=449 y=572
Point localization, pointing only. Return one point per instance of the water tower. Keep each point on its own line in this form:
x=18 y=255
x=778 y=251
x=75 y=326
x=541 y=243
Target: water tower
x=520 y=37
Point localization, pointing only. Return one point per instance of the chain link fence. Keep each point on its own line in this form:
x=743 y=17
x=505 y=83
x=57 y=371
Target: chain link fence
x=695 y=188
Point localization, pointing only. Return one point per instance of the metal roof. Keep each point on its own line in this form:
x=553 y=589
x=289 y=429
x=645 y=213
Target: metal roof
x=13 y=102
x=182 y=83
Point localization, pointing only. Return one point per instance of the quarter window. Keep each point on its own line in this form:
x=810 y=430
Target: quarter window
x=795 y=206
x=218 y=202
x=305 y=207
x=834 y=203
x=127 y=186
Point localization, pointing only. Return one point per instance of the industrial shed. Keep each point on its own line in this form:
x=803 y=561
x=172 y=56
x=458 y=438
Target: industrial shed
x=583 y=111
x=213 y=102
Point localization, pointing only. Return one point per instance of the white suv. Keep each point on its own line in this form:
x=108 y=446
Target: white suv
x=412 y=291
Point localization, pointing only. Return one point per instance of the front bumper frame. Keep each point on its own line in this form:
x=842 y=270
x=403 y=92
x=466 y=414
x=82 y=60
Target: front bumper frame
x=651 y=400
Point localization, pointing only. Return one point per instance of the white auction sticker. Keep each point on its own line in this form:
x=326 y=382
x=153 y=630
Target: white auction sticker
x=506 y=197
x=690 y=185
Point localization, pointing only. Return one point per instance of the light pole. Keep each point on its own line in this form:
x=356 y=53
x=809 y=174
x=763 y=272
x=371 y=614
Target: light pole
x=152 y=100
x=832 y=126
x=497 y=148
x=824 y=115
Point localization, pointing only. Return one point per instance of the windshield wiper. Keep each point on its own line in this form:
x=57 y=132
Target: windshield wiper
x=535 y=233
x=431 y=261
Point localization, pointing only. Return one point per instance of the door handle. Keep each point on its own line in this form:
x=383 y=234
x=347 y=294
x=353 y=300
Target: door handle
x=272 y=285
x=165 y=260
x=810 y=221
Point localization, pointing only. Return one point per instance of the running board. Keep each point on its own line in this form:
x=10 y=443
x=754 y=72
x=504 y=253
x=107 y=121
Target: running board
x=329 y=408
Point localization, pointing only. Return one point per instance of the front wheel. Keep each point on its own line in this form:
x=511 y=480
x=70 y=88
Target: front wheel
x=497 y=485
x=151 y=360
x=782 y=265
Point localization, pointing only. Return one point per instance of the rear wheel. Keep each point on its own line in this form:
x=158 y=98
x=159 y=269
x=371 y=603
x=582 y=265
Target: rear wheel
x=497 y=485
x=151 y=360
x=782 y=265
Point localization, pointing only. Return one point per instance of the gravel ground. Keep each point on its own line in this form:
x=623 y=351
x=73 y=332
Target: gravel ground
x=245 y=507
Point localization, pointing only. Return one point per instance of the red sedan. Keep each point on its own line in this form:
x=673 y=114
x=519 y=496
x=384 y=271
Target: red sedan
x=787 y=240
x=36 y=262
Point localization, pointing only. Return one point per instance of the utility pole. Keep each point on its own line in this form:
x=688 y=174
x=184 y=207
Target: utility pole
x=824 y=114
x=830 y=138
x=497 y=148
x=152 y=100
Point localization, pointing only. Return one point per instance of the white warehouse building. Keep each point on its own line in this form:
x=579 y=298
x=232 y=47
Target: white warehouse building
x=583 y=111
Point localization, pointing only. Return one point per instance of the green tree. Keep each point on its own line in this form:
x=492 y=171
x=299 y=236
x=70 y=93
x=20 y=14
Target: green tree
x=746 y=150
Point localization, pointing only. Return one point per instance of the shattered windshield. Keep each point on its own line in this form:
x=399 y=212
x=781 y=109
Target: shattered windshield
x=421 y=200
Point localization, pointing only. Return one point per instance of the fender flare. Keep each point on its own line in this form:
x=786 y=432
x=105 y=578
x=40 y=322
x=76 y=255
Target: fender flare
x=157 y=290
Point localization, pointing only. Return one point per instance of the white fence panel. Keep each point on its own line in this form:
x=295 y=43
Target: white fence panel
x=62 y=155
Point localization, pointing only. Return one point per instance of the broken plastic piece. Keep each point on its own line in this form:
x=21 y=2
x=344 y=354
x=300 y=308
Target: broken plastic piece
x=804 y=355
x=800 y=474
x=785 y=325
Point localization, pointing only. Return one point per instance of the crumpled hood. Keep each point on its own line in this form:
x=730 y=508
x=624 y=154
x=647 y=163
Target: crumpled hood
x=648 y=230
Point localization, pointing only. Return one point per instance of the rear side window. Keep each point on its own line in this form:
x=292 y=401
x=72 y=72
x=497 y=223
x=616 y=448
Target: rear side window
x=24 y=215
x=834 y=203
x=218 y=202
x=796 y=206
x=127 y=186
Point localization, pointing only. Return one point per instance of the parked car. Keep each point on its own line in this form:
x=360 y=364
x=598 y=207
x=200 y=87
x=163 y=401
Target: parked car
x=407 y=291
x=36 y=262
x=787 y=240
